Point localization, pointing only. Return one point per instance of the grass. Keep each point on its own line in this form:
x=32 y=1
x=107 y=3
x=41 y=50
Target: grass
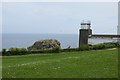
x=0 y=67
x=79 y=64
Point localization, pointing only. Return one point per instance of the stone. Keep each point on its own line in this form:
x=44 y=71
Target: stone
x=48 y=44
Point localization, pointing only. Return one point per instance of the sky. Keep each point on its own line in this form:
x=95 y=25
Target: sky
x=118 y=19
x=59 y=0
x=59 y=17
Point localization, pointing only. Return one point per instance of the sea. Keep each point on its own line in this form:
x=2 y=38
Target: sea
x=26 y=40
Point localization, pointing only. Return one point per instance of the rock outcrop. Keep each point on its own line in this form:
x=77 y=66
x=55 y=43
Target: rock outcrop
x=49 y=44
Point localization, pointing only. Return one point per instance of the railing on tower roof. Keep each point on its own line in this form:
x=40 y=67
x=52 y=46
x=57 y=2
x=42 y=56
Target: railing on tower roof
x=86 y=23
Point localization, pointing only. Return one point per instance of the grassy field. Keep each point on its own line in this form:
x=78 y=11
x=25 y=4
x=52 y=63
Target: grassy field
x=0 y=67
x=82 y=64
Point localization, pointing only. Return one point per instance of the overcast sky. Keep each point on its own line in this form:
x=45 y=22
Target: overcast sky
x=56 y=17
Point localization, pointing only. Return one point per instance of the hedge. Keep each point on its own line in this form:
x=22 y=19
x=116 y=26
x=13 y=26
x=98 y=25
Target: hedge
x=23 y=51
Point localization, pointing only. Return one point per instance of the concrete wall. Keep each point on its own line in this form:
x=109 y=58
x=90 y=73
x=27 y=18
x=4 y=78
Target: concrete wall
x=83 y=37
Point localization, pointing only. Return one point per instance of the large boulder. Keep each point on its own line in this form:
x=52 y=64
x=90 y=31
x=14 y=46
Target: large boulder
x=49 y=44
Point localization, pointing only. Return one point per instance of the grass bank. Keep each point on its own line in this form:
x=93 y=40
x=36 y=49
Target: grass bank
x=80 y=64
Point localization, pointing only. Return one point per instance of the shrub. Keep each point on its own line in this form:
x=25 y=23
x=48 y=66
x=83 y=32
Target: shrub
x=43 y=45
x=3 y=52
x=69 y=49
x=56 y=49
x=18 y=51
x=84 y=47
x=98 y=46
x=110 y=45
x=117 y=44
x=104 y=46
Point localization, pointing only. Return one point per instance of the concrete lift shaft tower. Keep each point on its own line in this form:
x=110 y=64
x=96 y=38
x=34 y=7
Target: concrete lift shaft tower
x=84 y=33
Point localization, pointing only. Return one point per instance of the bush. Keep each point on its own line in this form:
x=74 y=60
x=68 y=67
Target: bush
x=69 y=50
x=17 y=51
x=3 y=52
x=104 y=46
x=98 y=46
x=56 y=49
x=117 y=44
x=22 y=51
x=84 y=47
x=110 y=45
